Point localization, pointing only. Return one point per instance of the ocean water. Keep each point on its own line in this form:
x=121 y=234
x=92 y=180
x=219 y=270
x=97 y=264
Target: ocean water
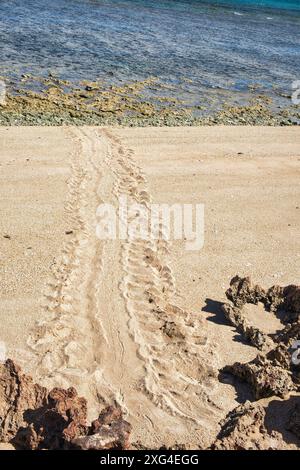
x=195 y=46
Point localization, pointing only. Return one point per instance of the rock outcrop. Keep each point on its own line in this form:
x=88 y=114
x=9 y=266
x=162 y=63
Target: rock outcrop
x=242 y=291
x=109 y=431
x=55 y=424
x=275 y=299
x=273 y=373
x=31 y=417
x=265 y=378
x=252 y=334
x=246 y=428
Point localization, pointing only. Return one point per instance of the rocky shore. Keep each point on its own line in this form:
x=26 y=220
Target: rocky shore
x=52 y=101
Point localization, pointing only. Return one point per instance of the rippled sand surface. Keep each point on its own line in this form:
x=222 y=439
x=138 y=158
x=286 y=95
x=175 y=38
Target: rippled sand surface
x=135 y=321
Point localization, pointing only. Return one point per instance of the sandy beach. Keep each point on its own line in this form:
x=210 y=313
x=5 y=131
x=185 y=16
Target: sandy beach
x=96 y=314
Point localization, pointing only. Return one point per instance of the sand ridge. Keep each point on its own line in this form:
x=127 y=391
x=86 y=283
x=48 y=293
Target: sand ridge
x=86 y=333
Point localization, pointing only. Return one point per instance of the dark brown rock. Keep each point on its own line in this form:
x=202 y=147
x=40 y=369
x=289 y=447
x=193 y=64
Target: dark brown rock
x=109 y=431
x=18 y=393
x=54 y=425
x=32 y=418
x=107 y=416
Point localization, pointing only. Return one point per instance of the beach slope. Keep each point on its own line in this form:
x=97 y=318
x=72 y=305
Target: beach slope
x=138 y=322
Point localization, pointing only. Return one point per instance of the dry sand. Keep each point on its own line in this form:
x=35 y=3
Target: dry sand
x=135 y=321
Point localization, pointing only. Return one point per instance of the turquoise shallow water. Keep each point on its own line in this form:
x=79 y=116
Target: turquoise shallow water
x=222 y=45
x=281 y=4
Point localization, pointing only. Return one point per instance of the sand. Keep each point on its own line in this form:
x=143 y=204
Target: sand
x=139 y=322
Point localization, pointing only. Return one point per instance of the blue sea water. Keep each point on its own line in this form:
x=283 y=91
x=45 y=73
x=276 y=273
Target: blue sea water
x=217 y=44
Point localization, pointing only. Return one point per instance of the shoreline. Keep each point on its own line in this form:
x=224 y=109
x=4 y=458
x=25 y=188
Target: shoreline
x=52 y=101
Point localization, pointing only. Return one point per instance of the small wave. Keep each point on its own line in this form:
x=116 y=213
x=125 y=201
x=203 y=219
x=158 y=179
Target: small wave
x=238 y=13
